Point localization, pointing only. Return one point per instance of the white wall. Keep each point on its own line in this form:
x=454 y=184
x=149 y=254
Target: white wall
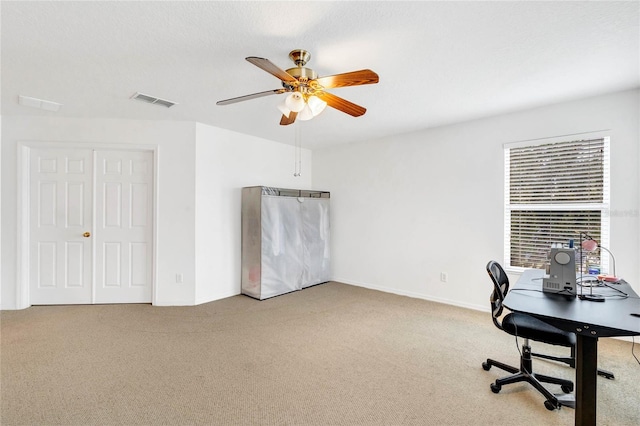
x=175 y=222
x=201 y=171
x=403 y=209
x=225 y=162
x=1 y=237
x=408 y=207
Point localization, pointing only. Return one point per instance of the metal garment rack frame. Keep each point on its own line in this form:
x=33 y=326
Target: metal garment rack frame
x=284 y=192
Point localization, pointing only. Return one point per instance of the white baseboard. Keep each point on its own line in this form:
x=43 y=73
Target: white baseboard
x=414 y=295
x=217 y=296
x=436 y=299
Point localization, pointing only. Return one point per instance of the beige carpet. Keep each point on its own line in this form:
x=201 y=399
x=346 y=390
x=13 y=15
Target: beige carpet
x=329 y=355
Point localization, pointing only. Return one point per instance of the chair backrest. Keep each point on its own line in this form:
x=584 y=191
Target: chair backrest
x=500 y=289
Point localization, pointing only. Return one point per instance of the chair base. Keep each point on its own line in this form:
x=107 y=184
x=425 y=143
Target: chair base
x=571 y=361
x=525 y=374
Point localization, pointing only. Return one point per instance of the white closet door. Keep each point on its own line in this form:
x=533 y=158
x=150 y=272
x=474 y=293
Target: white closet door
x=60 y=223
x=124 y=226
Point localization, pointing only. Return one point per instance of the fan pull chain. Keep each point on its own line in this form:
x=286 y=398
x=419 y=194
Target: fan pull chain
x=297 y=167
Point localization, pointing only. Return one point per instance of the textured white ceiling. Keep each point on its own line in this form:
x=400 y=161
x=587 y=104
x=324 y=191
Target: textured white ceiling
x=438 y=62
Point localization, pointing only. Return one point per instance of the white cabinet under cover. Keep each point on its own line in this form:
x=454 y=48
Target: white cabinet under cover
x=285 y=240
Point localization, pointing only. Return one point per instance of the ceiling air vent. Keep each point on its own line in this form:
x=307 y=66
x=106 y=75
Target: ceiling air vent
x=38 y=103
x=152 y=100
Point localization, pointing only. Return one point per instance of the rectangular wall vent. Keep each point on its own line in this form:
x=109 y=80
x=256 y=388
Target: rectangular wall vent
x=152 y=100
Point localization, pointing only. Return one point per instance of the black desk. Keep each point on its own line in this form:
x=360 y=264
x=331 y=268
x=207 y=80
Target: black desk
x=589 y=320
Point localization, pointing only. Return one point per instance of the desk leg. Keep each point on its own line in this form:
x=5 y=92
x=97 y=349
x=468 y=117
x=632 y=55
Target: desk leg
x=586 y=376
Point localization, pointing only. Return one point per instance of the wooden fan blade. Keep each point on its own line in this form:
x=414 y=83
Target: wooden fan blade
x=272 y=69
x=252 y=96
x=285 y=121
x=341 y=104
x=354 y=78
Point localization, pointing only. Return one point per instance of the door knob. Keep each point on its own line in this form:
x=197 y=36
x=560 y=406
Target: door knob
x=86 y=234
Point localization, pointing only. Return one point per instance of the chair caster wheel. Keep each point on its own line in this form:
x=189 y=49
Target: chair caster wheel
x=486 y=366
x=496 y=388
x=566 y=388
x=550 y=405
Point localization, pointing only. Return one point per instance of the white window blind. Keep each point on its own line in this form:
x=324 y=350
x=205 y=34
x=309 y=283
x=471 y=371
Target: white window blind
x=553 y=192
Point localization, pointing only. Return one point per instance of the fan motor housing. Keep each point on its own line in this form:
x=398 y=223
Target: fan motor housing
x=302 y=73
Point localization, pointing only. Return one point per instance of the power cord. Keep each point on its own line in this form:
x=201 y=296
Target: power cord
x=616 y=289
x=570 y=293
x=515 y=331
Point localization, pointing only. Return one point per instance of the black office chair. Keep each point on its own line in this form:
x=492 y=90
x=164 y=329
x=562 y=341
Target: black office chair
x=570 y=360
x=526 y=327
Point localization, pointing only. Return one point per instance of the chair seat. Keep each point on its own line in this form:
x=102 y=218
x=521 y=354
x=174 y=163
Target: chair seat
x=528 y=327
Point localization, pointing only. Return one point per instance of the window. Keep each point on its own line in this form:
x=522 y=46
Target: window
x=554 y=190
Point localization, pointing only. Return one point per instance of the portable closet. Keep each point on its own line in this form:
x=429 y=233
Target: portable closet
x=285 y=240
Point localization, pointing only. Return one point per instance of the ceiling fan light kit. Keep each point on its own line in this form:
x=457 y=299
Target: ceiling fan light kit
x=307 y=93
x=311 y=108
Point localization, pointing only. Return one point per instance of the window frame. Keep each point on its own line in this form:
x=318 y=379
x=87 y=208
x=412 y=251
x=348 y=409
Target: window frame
x=604 y=207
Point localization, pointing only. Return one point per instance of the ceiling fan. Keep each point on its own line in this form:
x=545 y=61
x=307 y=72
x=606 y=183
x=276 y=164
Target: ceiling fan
x=307 y=92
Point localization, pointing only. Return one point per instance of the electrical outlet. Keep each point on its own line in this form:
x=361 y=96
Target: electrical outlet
x=444 y=277
x=178 y=278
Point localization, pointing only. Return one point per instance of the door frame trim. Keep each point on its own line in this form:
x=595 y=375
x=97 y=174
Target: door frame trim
x=23 y=299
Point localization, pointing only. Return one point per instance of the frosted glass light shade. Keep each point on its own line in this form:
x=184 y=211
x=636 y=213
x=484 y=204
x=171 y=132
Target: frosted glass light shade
x=305 y=114
x=282 y=106
x=295 y=102
x=316 y=104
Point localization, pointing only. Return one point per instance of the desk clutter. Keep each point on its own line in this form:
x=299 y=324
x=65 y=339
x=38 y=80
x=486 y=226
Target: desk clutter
x=559 y=319
x=564 y=278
